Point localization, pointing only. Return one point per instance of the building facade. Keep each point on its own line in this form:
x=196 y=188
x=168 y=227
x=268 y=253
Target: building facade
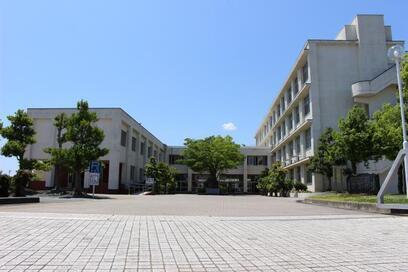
x=130 y=146
x=327 y=79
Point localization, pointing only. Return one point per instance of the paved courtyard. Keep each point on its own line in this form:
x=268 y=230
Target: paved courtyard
x=68 y=235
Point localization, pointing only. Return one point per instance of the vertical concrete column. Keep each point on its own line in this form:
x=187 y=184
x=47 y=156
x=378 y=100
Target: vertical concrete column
x=49 y=178
x=113 y=173
x=189 y=180
x=294 y=173
x=303 y=174
x=245 y=175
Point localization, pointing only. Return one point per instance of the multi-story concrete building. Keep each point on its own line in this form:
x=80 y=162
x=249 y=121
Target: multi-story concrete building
x=129 y=143
x=130 y=146
x=327 y=79
x=242 y=179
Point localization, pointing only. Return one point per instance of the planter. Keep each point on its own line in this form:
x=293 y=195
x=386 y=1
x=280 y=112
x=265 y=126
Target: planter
x=19 y=200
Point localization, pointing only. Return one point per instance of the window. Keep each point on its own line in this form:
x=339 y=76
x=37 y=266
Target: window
x=289 y=95
x=270 y=121
x=271 y=141
x=132 y=172
x=123 y=136
x=278 y=111
x=142 y=148
x=149 y=151
x=305 y=72
x=297 y=115
x=278 y=155
x=298 y=178
x=291 y=174
x=283 y=130
x=306 y=105
x=282 y=104
x=257 y=160
x=290 y=149
x=290 y=122
x=297 y=145
x=295 y=87
x=309 y=179
x=173 y=159
x=308 y=138
x=284 y=153
x=134 y=142
x=141 y=175
x=279 y=133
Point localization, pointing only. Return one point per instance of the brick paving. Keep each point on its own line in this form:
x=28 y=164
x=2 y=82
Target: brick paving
x=33 y=241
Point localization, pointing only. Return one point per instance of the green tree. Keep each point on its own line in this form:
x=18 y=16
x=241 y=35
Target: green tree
x=275 y=182
x=355 y=137
x=163 y=174
x=387 y=139
x=212 y=155
x=19 y=134
x=59 y=155
x=86 y=139
x=326 y=156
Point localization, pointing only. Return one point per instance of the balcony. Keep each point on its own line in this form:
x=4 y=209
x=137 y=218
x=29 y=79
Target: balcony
x=300 y=127
x=288 y=109
x=367 y=88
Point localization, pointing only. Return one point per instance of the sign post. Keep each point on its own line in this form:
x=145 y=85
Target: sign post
x=94 y=171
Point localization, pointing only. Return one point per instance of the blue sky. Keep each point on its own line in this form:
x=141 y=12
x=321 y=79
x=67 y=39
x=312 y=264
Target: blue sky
x=182 y=68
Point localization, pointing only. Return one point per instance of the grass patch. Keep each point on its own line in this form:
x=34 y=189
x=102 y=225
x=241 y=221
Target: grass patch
x=388 y=199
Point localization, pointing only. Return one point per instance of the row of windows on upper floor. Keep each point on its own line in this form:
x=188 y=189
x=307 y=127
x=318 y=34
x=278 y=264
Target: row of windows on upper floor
x=293 y=148
x=134 y=144
x=287 y=125
x=286 y=99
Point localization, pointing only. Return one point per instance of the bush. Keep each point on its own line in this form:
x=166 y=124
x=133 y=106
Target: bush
x=286 y=187
x=20 y=181
x=4 y=185
x=300 y=187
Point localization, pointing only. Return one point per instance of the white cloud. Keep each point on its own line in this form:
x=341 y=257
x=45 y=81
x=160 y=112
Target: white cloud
x=229 y=126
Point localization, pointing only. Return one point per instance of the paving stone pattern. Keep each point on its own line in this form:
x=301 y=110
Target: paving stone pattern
x=92 y=242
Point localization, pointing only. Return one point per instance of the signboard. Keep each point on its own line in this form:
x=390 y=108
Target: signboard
x=94 y=179
x=149 y=181
x=94 y=167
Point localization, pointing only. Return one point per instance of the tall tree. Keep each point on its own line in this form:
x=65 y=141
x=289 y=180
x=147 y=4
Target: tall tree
x=327 y=155
x=355 y=137
x=86 y=139
x=212 y=155
x=58 y=155
x=19 y=134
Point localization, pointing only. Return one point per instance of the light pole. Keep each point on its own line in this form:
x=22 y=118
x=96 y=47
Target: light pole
x=396 y=54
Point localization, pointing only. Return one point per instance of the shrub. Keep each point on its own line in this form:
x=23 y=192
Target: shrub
x=4 y=185
x=286 y=187
x=20 y=181
x=300 y=187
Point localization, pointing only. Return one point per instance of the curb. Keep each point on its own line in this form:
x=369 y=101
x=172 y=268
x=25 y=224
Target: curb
x=365 y=207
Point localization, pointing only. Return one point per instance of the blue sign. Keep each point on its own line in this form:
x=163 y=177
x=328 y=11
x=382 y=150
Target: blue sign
x=95 y=167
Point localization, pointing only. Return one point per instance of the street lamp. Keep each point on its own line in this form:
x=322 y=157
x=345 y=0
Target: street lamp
x=396 y=54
